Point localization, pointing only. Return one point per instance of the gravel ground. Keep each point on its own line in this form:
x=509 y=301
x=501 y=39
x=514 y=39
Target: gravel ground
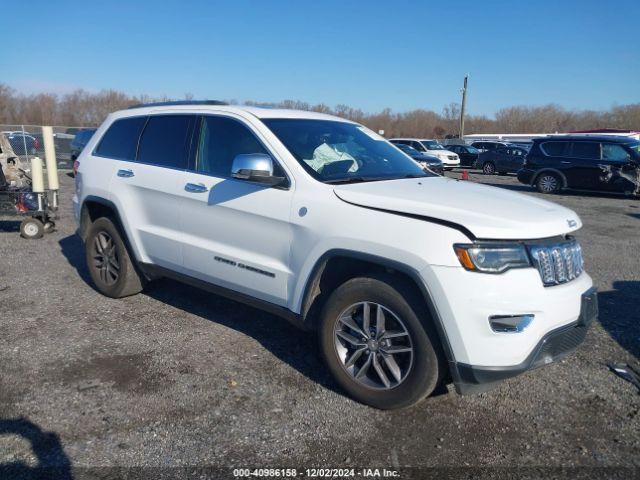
x=179 y=377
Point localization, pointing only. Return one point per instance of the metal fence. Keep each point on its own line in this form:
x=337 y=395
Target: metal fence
x=26 y=141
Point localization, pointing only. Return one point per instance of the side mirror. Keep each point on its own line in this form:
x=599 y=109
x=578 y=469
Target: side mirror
x=255 y=167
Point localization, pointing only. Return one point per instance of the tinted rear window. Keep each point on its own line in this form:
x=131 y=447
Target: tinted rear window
x=554 y=149
x=121 y=139
x=166 y=140
x=586 y=150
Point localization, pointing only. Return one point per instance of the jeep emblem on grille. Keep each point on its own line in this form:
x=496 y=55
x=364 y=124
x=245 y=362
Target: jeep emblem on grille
x=572 y=223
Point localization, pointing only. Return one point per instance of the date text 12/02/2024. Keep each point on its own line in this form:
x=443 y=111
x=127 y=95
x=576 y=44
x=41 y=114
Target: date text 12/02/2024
x=316 y=472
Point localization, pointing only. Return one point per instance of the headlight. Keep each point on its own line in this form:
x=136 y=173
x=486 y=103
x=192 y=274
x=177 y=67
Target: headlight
x=492 y=258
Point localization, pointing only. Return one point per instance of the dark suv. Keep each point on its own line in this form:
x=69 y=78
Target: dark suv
x=605 y=163
x=80 y=140
x=501 y=160
x=489 y=145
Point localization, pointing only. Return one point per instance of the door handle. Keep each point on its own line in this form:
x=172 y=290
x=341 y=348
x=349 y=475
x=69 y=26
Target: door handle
x=125 y=173
x=195 y=188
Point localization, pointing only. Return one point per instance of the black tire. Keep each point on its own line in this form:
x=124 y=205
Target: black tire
x=548 y=182
x=31 y=228
x=488 y=168
x=113 y=282
x=423 y=371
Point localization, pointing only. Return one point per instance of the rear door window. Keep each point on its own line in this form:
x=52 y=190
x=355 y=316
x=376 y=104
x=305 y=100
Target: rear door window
x=587 y=150
x=166 y=141
x=555 y=149
x=121 y=139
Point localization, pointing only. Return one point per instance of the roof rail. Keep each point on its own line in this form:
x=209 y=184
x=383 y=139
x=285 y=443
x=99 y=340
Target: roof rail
x=179 y=102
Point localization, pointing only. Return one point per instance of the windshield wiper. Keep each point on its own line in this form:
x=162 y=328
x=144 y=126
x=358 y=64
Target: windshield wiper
x=348 y=180
x=372 y=179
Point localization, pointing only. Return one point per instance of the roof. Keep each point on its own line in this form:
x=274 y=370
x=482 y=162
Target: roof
x=605 y=130
x=585 y=138
x=178 y=102
x=214 y=106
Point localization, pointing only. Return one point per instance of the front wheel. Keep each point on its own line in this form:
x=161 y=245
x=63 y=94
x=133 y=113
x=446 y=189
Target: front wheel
x=376 y=346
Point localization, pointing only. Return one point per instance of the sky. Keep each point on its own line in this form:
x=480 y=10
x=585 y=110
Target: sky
x=580 y=54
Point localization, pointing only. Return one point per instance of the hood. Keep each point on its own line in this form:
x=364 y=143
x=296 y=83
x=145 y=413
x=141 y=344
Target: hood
x=427 y=158
x=441 y=152
x=487 y=212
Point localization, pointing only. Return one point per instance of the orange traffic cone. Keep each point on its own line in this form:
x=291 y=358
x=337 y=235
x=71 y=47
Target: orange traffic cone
x=465 y=175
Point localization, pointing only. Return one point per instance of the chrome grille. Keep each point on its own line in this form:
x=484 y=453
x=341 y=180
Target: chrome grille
x=558 y=263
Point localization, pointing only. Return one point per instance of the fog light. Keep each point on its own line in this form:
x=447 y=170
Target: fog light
x=510 y=323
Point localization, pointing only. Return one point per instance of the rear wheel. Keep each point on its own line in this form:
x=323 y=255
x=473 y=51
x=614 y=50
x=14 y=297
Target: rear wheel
x=376 y=346
x=488 y=168
x=108 y=261
x=548 y=183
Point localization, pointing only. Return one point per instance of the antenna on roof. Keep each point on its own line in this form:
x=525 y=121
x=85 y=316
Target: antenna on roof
x=179 y=102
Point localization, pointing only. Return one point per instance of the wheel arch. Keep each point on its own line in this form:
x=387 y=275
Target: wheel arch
x=94 y=207
x=336 y=266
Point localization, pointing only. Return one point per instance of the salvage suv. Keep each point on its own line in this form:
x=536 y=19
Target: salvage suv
x=409 y=279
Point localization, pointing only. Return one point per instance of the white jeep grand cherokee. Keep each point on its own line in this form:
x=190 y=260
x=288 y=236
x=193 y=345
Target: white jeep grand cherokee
x=409 y=279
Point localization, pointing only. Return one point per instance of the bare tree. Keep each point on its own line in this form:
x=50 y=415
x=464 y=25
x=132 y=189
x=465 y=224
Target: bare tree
x=83 y=108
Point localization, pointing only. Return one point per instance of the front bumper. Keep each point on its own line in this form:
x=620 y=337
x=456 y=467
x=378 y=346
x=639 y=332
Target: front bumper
x=449 y=164
x=555 y=345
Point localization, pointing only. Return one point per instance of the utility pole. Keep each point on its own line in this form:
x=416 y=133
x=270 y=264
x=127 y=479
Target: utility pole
x=463 y=106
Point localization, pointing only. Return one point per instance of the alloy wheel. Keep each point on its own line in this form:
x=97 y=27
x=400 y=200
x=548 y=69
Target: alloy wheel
x=105 y=256
x=373 y=345
x=548 y=183
x=488 y=169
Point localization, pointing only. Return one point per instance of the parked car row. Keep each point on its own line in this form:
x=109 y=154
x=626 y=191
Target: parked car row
x=426 y=161
x=551 y=164
x=432 y=147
